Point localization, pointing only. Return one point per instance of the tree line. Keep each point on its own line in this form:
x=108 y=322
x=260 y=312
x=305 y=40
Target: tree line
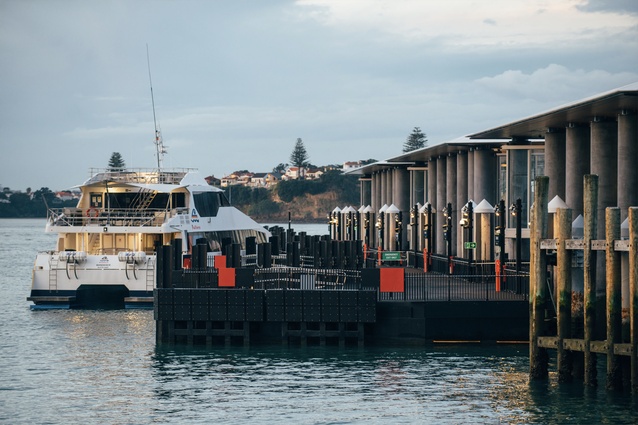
x=30 y=205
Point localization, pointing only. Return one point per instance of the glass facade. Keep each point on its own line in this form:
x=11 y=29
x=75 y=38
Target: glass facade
x=520 y=169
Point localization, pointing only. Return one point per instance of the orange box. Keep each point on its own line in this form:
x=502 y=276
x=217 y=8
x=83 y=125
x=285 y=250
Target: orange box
x=392 y=279
x=220 y=261
x=226 y=278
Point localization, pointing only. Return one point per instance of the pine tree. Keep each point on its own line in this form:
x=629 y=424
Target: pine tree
x=299 y=156
x=116 y=162
x=416 y=140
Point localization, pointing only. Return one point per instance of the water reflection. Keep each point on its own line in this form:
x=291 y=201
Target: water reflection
x=82 y=367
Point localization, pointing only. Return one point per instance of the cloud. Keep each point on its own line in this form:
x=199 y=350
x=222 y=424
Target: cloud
x=554 y=83
x=446 y=23
x=629 y=7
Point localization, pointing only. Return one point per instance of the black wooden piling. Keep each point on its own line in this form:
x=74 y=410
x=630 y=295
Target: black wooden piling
x=614 y=301
x=590 y=209
x=538 y=272
x=563 y=232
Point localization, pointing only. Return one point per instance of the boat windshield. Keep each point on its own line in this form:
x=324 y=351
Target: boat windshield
x=217 y=239
x=208 y=203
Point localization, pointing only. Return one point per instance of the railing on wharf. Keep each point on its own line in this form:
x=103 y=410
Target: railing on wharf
x=418 y=286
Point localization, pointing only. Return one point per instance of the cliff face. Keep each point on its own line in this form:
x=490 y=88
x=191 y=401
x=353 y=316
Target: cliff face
x=307 y=208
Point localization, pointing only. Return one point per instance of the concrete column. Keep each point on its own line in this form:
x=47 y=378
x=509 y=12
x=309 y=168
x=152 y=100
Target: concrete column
x=431 y=181
x=627 y=161
x=604 y=163
x=425 y=187
x=431 y=198
x=451 y=197
x=374 y=204
x=366 y=191
x=627 y=179
x=470 y=175
x=461 y=193
x=382 y=189
x=388 y=187
x=402 y=200
x=441 y=202
x=484 y=175
x=555 y=161
x=401 y=195
x=577 y=154
x=374 y=200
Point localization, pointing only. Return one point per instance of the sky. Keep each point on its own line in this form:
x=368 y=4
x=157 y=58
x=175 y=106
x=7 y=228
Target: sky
x=236 y=82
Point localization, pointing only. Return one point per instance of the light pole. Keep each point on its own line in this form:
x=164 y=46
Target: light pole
x=447 y=233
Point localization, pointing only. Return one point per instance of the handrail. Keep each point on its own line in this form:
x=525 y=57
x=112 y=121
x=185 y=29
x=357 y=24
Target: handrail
x=151 y=217
x=139 y=175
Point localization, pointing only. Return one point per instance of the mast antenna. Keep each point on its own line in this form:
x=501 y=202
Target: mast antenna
x=159 y=143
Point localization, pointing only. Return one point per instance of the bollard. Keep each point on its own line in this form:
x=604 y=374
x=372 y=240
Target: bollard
x=177 y=254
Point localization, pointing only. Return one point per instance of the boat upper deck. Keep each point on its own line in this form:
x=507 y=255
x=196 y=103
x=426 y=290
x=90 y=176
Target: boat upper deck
x=138 y=175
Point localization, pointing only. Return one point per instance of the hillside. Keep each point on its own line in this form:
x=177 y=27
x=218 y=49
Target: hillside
x=306 y=200
x=307 y=208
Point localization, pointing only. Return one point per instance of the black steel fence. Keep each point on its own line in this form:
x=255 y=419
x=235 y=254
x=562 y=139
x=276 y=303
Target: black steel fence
x=444 y=287
x=418 y=286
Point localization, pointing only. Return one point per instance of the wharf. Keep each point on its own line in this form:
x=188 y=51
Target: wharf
x=217 y=304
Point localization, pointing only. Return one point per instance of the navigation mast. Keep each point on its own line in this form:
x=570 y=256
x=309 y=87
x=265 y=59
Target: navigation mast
x=159 y=143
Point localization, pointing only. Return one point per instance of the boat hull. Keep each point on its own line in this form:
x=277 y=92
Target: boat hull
x=99 y=281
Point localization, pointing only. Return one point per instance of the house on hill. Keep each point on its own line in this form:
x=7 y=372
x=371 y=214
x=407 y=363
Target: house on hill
x=213 y=181
x=264 y=179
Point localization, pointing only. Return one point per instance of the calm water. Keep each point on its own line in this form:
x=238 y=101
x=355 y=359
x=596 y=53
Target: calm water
x=79 y=367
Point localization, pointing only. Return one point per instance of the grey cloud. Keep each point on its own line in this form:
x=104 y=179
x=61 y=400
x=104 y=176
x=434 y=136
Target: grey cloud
x=616 y=6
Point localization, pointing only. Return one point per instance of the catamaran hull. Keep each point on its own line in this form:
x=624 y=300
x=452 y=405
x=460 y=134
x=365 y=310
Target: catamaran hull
x=98 y=281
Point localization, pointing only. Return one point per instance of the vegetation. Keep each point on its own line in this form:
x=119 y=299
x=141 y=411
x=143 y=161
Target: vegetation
x=281 y=168
x=30 y=205
x=416 y=140
x=256 y=202
x=116 y=162
x=346 y=187
x=299 y=156
x=308 y=199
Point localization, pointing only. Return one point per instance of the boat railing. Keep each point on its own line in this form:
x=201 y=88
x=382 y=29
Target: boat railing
x=111 y=217
x=140 y=175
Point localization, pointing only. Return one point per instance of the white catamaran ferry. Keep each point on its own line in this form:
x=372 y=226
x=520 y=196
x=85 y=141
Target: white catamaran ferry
x=105 y=251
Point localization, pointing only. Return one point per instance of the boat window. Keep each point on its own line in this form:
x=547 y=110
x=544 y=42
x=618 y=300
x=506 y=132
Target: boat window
x=179 y=200
x=217 y=239
x=96 y=200
x=134 y=200
x=207 y=203
x=224 y=199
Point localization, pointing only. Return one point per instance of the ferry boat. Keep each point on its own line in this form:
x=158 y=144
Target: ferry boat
x=105 y=251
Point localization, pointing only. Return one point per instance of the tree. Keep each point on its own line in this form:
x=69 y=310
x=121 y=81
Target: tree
x=299 y=156
x=116 y=162
x=416 y=140
x=44 y=194
x=281 y=168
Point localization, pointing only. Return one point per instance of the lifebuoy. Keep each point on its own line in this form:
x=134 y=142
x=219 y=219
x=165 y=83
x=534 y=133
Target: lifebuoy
x=92 y=212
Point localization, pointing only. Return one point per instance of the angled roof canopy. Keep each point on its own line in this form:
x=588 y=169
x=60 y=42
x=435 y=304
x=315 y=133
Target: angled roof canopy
x=604 y=105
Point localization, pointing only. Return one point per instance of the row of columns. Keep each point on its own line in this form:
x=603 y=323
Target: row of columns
x=606 y=147
x=454 y=178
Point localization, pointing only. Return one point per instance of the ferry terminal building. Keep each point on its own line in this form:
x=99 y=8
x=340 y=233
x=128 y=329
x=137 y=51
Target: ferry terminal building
x=424 y=190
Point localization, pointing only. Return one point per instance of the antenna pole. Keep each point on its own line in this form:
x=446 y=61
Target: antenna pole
x=159 y=145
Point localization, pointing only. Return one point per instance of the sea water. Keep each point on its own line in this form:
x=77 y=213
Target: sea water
x=104 y=367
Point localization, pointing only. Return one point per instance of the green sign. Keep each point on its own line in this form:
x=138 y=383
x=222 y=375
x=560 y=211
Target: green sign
x=391 y=256
x=470 y=245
